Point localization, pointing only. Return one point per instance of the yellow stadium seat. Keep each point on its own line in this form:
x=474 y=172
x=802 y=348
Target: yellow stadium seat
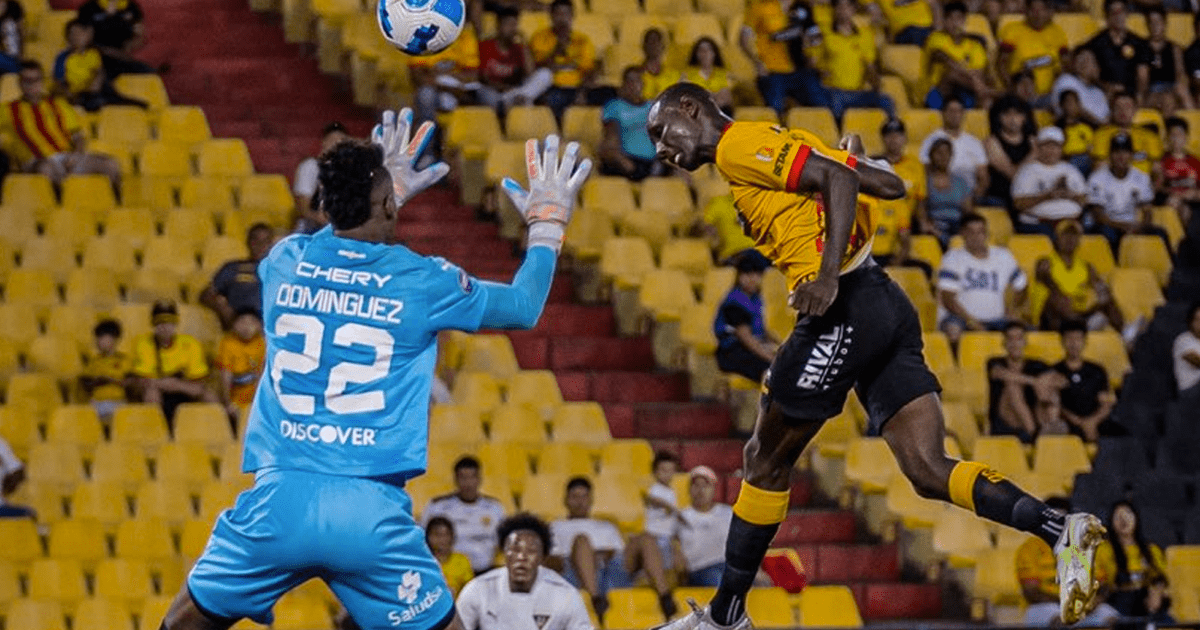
x=1044 y=345
x=120 y=463
x=203 y=424
x=634 y=456
x=689 y=255
x=866 y=122
x=32 y=193
x=937 y=352
x=101 y=502
x=1003 y=453
x=975 y=122
x=537 y=389
x=165 y=160
x=35 y=393
x=529 y=121
x=265 y=192
x=56 y=464
x=153 y=284
x=79 y=540
x=141 y=425
x=666 y=294
x=476 y=127
x=961 y=536
x=54 y=256
x=170 y=255
x=194 y=537
x=828 y=606
x=73 y=230
x=1000 y=227
x=817 y=120
x=146 y=87
x=88 y=195
x=102 y=614
x=21 y=544
x=543 y=495
x=581 y=422
x=124 y=580
x=726 y=10
x=691 y=25
x=1183 y=564
x=32 y=288
x=125 y=125
x=905 y=62
x=870 y=464
x=668 y=197
x=36 y=613
x=1079 y=27
x=996 y=577
x=583 y=124
x=632 y=608
x=1136 y=292
x=187 y=463
x=916 y=286
x=492 y=354
x=10 y=586
x=227 y=157
x=961 y=425
x=145 y=539
x=133 y=226
x=586 y=234
x=219 y=250
x=1028 y=249
x=1146 y=251
x=654 y=228
x=168 y=500
x=1060 y=457
x=300 y=613
x=913 y=510
x=518 y=425
x=154 y=609
x=925 y=247
x=565 y=458
x=976 y=347
x=208 y=192
x=455 y=423
x=74 y=322
x=57 y=356
x=919 y=123
x=75 y=424
x=610 y=195
x=476 y=390
x=1094 y=249
x=1168 y=219
x=18 y=324
x=717 y=283
x=503 y=461
x=230 y=469
x=59 y=580
x=47 y=500
x=626 y=260
x=19 y=226
x=1108 y=349
x=215 y=497
x=769 y=607
x=632 y=27
x=188 y=227
x=758 y=113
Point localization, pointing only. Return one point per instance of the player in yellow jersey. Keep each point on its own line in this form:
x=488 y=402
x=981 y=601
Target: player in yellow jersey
x=799 y=200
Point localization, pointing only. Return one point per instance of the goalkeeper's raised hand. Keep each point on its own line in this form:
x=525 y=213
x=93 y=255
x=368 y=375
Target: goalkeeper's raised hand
x=553 y=186
x=402 y=149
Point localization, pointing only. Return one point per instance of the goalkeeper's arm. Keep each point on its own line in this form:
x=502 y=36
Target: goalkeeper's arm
x=519 y=304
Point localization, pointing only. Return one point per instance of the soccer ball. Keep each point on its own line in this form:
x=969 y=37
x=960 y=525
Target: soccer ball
x=421 y=27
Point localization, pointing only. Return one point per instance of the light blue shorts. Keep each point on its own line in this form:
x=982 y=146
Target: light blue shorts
x=358 y=535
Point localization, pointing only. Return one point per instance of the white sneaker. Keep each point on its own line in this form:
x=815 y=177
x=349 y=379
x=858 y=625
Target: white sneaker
x=700 y=620
x=1076 y=554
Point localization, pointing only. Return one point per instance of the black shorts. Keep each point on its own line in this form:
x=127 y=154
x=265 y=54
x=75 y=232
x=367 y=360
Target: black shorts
x=869 y=339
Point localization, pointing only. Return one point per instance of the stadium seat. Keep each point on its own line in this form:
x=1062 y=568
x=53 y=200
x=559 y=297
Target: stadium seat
x=1028 y=249
x=47 y=500
x=226 y=157
x=132 y=226
x=219 y=250
x=141 y=425
x=583 y=423
x=583 y=124
x=632 y=608
x=168 y=500
x=213 y=194
x=1146 y=251
x=537 y=389
x=101 y=502
x=961 y=537
x=492 y=354
x=866 y=122
x=502 y=461
x=828 y=606
x=976 y=347
x=203 y=424
x=961 y=425
x=124 y=125
x=91 y=287
x=529 y=121
x=476 y=127
x=1108 y=349
x=300 y=613
x=187 y=463
x=1003 y=453
x=168 y=161
x=145 y=539
x=1095 y=250
x=937 y=352
x=189 y=227
x=124 y=580
x=32 y=193
x=586 y=234
x=152 y=284
x=54 y=256
x=666 y=294
x=609 y=194
x=519 y=426
x=689 y=255
x=32 y=288
x=667 y=197
x=543 y=495
x=566 y=459
x=268 y=192
x=996 y=577
x=1079 y=27
x=1168 y=219
x=57 y=464
x=919 y=123
x=146 y=87
x=89 y=196
x=57 y=356
x=626 y=260
x=172 y=256
x=154 y=608
x=215 y=497
x=817 y=120
x=757 y=113
x=476 y=390
x=21 y=543
x=634 y=456
x=80 y=540
x=1000 y=227
x=913 y=510
x=59 y=580
x=870 y=464
x=1044 y=345
x=1136 y=292
x=97 y=613
x=121 y=463
x=10 y=585
x=455 y=423
x=35 y=613
x=230 y=469
x=75 y=424
x=717 y=283
x=1060 y=457
x=926 y=247
x=769 y=607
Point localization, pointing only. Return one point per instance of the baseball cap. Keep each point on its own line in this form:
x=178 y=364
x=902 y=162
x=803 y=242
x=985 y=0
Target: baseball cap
x=1121 y=142
x=1068 y=224
x=164 y=312
x=893 y=125
x=705 y=472
x=1051 y=134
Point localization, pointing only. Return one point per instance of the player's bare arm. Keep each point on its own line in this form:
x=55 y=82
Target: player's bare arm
x=875 y=177
x=838 y=185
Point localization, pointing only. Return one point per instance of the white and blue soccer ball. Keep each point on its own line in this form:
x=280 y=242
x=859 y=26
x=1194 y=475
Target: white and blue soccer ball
x=421 y=27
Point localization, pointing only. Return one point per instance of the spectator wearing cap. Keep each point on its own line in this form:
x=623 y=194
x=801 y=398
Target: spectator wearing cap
x=1035 y=45
x=777 y=42
x=702 y=530
x=1123 y=56
x=893 y=236
x=169 y=366
x=969 y=159
x=743 y=344
x=956 y=62
x=1120 y=196
x=980 y=286
x=1145 y=143
x=1068 y=287
x=1185 y=352
x=235 y=288
x=309 y=217
x=1047 y=189
x=1084 y=80
x=12 y=475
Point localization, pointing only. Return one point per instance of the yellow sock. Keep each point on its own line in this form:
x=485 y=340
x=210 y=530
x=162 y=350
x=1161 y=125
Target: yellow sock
x=761 y=507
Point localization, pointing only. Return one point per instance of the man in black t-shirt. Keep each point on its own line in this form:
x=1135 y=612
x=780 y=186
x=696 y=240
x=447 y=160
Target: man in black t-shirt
x=1086 y=398
x=119 y=32
x=1023 y=392
x=1124 y=57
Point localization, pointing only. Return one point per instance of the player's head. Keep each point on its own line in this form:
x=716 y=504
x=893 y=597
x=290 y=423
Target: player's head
x=259 y=239
x=1193 y=319
x=507 y=21
x=164 y=317
x=439 y=535
x=107 y=334
x=654 y=43
x=664 y=467
x=974 y=230
x=467 y=478
x=579 y=497
x=78 y=34
x=954 y=17
x=1014 y=339
x=562 y=15
x=940 y=154
x=685 y=125
x=1074 y=338
x=1120 y=154
x=332 y=134
x=247 y=324
x=953 y=111
x=356 y=189
x=1050 y=145
x=702 y=488
x=706 y=53
x=1038 y=13
x=631 y=85
x=525 y=541
x=750 y=265
x=32 y=81
x=1067 y=233
x=1177 y=134
x=895 y=136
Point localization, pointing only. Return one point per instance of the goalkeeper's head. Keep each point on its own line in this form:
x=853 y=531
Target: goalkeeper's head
x=356 y=191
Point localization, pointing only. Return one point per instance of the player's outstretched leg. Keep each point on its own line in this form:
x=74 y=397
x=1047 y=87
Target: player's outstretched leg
x=761 y=506
x=915 y=435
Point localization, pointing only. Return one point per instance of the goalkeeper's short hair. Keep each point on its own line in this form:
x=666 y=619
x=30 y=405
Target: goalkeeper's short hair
x=348 y=174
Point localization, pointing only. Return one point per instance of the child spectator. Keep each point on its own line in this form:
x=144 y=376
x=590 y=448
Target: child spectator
x=79 y=72
x=1180 y=171
x=439 y=535
x=106 y=371
x=239 y=361
x=1077 y=133
x=662 y=506
x=706 y=68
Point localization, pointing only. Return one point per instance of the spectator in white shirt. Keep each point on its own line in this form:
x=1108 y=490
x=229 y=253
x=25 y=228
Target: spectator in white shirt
x=662 y=506
x=1120 y=196
x=12 y=474
x=1084 y=81
x=1047 y=188
x=1186 y=353
x=980 y=286
x=703 y=530
x=523 y=594
x=473 y=514
x=309 y=218
x=594 y=557
x=969 y=159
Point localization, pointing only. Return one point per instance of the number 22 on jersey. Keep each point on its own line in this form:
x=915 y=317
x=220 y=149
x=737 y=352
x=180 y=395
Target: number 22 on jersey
x=340 y=375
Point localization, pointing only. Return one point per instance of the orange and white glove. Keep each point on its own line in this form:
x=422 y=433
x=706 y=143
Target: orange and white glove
x=548 y=204
x=402 y=150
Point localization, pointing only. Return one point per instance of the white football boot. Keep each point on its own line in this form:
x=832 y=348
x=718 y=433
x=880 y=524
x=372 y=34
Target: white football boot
x=1076 y=554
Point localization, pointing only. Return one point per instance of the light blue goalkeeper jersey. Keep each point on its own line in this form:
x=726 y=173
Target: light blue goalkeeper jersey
x=351 y=331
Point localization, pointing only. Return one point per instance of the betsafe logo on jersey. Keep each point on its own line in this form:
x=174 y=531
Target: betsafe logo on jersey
x=327 y=433
x=409 y=593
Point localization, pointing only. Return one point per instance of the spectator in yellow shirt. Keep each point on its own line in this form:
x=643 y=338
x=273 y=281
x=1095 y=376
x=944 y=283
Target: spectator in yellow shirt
x=439 y=535
x=79 y=72
x=723 y=228
x=571 y=56
x=106 y=371
x=850 y=64
x=655 y=75
x=1147 y=146
x=956 y=62
x=1077 y=133
x=908 y=21
x=893 y=236
x=1133 y=561
x=1035 y=45
x=169 y=367
x=776 y=40
x=240 y=359
x=706 y=68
